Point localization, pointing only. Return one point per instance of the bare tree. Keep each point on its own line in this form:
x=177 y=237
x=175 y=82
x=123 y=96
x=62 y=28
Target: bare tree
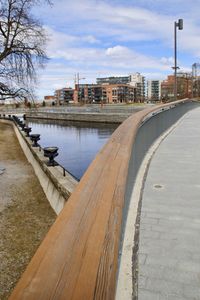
x=22 y=44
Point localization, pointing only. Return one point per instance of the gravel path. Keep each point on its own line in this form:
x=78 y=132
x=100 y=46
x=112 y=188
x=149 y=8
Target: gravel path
x=25 y=214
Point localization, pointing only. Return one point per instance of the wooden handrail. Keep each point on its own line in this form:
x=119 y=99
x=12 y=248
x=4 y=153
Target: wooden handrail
x=78 y=259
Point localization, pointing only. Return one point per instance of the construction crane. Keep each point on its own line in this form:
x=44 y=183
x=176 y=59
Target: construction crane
x=76 y=81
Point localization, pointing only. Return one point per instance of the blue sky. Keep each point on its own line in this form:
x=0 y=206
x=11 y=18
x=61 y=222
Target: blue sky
x=99 y=38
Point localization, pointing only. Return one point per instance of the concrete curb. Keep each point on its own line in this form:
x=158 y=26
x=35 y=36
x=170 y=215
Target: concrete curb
x=57 y=188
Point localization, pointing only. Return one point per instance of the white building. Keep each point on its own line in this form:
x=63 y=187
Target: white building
x=154 y=90
x=138 y=81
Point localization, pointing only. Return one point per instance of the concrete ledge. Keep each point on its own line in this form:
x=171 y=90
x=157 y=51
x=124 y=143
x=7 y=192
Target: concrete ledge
x=57 y=187
x=83 y=117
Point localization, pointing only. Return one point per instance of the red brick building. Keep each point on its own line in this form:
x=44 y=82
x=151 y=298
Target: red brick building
x=184 y=87
x=106 y=93
x=64 y=95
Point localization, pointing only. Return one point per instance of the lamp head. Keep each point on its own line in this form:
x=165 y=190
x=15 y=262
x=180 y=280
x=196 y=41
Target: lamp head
x=180 y=24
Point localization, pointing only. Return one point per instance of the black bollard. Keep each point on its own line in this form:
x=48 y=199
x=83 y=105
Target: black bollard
x=51 y=153
x=35 y=138
x=27 y=130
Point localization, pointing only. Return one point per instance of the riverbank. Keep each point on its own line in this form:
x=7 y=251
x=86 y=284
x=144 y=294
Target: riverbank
x=108 y=113
x=115 y=113
x=80 y=116
x=25 y=213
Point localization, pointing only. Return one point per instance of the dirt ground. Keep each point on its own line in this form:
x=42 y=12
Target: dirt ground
x=25 y=213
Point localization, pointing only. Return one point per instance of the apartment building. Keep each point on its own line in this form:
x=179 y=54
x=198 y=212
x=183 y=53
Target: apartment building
x=106 y=93
x=138 y=81
x=108 y=90
x=154 y=90
x=118 y=93
x=87 y=93
x=184 y=87
x=196 y=86
x=64 y=95
x=135 y=80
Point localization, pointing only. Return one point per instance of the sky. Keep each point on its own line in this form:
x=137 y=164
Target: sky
x=99 y=38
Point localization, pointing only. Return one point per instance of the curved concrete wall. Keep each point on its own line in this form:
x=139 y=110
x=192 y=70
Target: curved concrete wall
x=152 y=127
x=57 y=188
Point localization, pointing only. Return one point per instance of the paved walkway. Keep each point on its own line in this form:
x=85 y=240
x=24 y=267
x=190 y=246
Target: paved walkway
x=169 y=248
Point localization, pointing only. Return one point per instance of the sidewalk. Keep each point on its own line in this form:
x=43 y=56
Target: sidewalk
x=169 y=247
x=25 y=213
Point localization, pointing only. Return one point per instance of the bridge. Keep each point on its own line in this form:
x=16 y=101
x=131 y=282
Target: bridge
x=136 y=205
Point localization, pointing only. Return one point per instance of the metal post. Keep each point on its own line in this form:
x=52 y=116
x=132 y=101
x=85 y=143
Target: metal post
x=175 y=62
x=78 y=85
x=178 y=24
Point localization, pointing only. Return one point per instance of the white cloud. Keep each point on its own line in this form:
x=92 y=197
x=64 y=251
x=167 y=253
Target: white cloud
x=130 y=22
x=189 y=38
x=118 y=52
x=90 y=35
x=90 y=39
x=169 y=61
x=112 y=56
x=59 y=42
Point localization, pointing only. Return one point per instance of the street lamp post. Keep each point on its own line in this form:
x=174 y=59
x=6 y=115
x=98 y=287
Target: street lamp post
x=178 y=25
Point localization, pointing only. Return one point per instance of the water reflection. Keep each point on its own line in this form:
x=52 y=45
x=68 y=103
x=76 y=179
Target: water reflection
x=78 y=142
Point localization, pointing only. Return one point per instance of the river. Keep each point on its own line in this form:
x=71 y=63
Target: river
x=78 y=142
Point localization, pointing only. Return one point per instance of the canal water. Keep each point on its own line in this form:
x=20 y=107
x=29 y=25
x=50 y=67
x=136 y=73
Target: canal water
x=78 y=142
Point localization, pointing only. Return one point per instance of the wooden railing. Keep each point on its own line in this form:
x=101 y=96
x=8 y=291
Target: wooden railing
x=78 y=259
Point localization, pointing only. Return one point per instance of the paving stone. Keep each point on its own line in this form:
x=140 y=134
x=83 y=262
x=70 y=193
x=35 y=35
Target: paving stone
x=189 y=266
x=142 y=259
x=145 y=226
x=152 y=271
x=147 y=220
x=170 y=220
x=164 y=287
x=192 y=292
x=142 y=282
x=170 y=274
x=160 y=261
x=149 y=233
x=148 y=295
